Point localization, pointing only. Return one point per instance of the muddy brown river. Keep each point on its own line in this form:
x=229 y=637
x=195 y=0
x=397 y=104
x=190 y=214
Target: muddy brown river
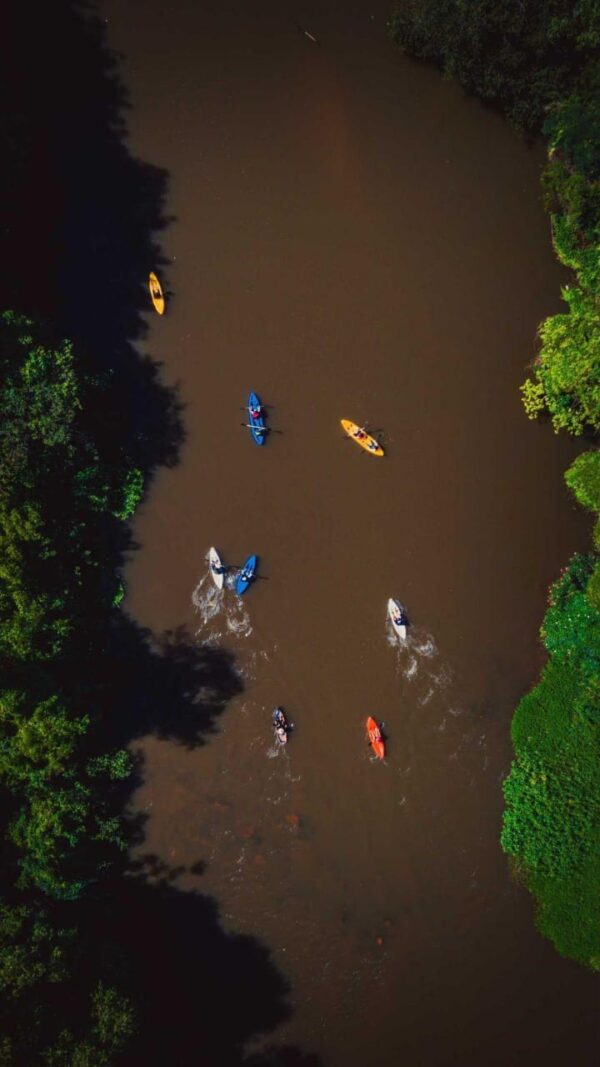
x=352 y=237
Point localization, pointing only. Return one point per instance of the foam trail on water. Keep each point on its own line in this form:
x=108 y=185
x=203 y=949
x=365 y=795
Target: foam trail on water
x=238 y=619
x=412 y=668
x=211 y=602
x=391 y=636
x=426 y=647
x=207 y=599
x=443 y=678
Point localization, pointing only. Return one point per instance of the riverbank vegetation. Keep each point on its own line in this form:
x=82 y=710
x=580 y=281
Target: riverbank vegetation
x=539 y=64
x=62 y=504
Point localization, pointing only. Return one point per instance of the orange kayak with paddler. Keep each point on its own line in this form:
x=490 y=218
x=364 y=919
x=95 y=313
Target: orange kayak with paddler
x=375 y=739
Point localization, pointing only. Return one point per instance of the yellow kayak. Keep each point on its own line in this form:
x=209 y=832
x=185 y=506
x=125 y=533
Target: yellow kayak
x=156 y=293
x=362 y=438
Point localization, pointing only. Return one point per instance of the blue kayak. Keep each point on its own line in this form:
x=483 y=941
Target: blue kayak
x=258 y=427
x=246 y=575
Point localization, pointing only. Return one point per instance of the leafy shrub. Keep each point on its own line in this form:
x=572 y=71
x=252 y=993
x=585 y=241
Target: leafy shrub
x=583 y=479
x=133 y=490
x=549 y=814
x=568 y=365
x=571 y=627
x=569 y=909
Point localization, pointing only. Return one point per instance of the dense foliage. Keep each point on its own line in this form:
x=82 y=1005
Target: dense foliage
x=539 y=64
x=551 y=824
x=521 y=55
x=566 y=373
x=60 y=502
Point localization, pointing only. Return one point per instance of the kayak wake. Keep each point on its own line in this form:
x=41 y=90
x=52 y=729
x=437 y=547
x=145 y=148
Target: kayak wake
x=211 y=603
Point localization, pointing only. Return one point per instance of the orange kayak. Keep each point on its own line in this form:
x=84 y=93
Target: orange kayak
x=375 y=739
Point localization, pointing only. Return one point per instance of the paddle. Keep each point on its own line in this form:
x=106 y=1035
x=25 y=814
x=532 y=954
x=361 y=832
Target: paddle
x=264 y=429
x=255 y=577
x=306 y=33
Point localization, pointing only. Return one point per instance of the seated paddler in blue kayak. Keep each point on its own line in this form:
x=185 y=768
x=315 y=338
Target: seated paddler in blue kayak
x=246 y=575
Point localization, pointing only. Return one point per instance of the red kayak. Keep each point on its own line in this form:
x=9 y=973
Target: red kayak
x=375 y=739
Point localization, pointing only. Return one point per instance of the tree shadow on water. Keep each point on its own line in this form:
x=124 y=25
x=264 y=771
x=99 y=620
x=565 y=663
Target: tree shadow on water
x=203 y=993
x=167 y=685
x=79 y=236
x=81 y=216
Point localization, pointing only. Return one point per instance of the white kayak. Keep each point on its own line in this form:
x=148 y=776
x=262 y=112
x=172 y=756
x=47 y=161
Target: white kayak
x=216 y=567
x=397 y=617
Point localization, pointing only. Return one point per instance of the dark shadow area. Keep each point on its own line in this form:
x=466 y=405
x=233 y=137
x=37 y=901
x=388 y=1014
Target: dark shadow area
x=80 y=222
x=202 y=993
x=81 y=216
x=167 y=686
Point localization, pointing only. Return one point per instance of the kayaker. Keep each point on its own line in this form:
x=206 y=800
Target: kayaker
x=360 y=434
x=255 y=413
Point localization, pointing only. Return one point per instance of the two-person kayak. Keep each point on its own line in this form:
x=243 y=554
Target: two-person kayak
x=256 y=419
x=362 y=438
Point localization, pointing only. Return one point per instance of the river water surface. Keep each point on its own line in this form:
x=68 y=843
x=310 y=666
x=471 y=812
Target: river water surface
x=352 y=237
